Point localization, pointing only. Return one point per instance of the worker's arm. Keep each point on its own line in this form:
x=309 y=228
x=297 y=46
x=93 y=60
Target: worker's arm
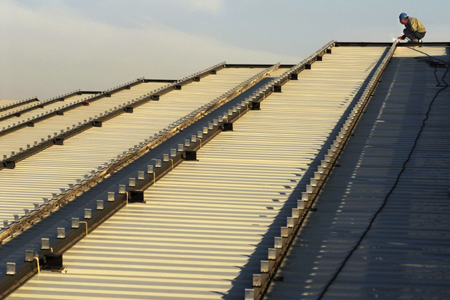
x=401 y=37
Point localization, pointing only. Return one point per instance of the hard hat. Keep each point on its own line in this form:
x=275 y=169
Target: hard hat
x=402 y=16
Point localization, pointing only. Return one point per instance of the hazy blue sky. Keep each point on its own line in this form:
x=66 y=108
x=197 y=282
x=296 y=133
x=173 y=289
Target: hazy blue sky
x=50 y=47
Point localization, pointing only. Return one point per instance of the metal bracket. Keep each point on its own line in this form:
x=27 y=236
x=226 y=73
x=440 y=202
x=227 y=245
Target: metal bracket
x=255 y=105
x=53 y=261
x=226 y=126
x=58 y=141
x=189 y=155
x=97 y=123
x=136 y=197
x=9 y=164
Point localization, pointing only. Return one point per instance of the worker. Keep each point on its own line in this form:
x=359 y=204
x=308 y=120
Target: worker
x=414 y=31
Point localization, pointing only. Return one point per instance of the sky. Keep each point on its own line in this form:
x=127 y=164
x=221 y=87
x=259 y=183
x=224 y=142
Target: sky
x=53 y=47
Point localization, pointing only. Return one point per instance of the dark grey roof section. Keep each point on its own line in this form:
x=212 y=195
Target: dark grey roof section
x=373 y=236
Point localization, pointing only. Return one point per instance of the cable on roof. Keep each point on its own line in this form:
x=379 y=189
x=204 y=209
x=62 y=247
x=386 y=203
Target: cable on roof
x=435 y=66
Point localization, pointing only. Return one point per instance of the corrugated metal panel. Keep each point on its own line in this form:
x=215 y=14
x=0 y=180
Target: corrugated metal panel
x=36 y=112
x=6 y=103
x=405 y=253
x=27 y=135
x=45 y=173
x=207 y=224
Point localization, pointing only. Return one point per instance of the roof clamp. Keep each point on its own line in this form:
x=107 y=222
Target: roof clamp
x=320 y=169
x=264 y=266
x=10 y=268
x=278 y=242
x=45 y=244
x=16 y=218
x=305 y=196
x=149 y=169
x=75 y=223
x=141 y=175
x=157 y=163
x=122 y=189
x=285 y=232
x=256 y=281
x=29 y=255
x=60 y=233
x=193 y=138
x=111 y=196
x=165 y=157
x=87 y=213
x=173 y=152
x=5 y=224
x=300 y=204
x=100 y=205
x=187 y=143
x=180 y=147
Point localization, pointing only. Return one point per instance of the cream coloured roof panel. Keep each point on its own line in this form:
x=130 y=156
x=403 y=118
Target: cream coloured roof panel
x=45 y=173
x=196 y=236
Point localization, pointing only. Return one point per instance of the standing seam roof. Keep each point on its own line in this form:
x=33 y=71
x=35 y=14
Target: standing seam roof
x=404 y=254
x=98 y=145
x=206 y=225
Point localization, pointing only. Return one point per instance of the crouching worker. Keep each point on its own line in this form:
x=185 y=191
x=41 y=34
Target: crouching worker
x=414 y=31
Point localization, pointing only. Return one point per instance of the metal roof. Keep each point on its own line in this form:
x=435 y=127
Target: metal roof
x=370 y=236
x=31 y=110
x=207 y=223
x=8 y=105
x=47 y=172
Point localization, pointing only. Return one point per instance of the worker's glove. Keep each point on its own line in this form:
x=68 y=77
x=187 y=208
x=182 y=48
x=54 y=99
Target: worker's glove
x=401 y=37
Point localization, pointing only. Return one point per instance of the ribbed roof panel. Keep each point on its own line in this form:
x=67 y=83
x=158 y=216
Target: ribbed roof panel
x=206 y=225
x=405 y=253
x=46 y=172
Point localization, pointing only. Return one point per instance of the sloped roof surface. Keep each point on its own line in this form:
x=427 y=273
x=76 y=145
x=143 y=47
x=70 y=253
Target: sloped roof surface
x=46 y=172
x=206 y=224
x=399 y=231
